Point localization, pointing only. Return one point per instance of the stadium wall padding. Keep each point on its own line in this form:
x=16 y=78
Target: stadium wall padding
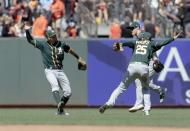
x=22 y=78
x=111 y=67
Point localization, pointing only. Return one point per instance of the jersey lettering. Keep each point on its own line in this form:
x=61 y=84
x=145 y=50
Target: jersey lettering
x=141 y=49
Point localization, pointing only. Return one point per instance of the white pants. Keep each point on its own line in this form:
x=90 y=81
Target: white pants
x=58 y=80
x=139 y=94
x=135 y=70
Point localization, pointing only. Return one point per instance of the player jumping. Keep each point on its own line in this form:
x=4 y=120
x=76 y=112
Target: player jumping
x=153 y=61
x=143 y=50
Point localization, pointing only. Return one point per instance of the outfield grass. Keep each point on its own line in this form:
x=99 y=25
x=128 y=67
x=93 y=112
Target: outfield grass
x=158 y=117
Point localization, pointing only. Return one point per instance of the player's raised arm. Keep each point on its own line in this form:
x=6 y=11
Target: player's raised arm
x=159 y=45
x=29 y=37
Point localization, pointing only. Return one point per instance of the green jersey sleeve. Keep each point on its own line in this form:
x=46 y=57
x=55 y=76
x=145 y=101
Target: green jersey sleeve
x=36 y=43
x=130 y=44
x=159 y=45
x=66 y=47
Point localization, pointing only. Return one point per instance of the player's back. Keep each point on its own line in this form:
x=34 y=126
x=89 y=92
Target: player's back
x=142 y=51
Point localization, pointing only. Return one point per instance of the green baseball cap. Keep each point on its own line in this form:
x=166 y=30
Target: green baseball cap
x=50 y=33
x=145 y=35
x=134 y=25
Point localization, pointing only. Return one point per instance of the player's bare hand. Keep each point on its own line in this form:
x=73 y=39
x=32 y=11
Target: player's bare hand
x=118 y=47
x=178 y=34
x=27 y=27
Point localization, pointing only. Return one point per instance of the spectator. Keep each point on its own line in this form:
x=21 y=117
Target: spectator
x=7 y=20
x=1 y=25
x=46 y=4
x=153 y=10
x=71 y=29
x=72 y=6
x=167 y=16
x=1 y=10
x=26 y=13
x=150 y=27
x=35 y=8
x=187 y=30
x=111 y=10
x=7 y=4
x=115 y=29
x=33 y=4
x=86 y=21
x=40 y=26
x=186 y=12
x=15 y=30
x=137 y=10
x=125 y=31
x=103 y=11
x=58 y=12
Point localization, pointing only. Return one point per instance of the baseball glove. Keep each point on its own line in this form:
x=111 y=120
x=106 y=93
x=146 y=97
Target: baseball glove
x=82 y=64
x=158 y=66
x=118 y=47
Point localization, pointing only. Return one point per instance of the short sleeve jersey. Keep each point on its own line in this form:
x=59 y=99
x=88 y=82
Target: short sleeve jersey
x=143 y=49
x=52 y=56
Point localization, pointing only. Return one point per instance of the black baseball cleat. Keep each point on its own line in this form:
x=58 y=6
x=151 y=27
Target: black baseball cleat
x=58 y=113
x=60 y=110
x=60 y=106
x=103 y=108
x=162 y=95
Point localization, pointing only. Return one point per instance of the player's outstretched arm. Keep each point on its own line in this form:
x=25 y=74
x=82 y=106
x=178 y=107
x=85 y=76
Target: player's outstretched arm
x=176 y=36
x=81 y=63
x=158 y=46
x=119 y=46
x=130 y=44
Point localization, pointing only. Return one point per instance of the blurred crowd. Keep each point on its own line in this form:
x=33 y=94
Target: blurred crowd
x=83 y=18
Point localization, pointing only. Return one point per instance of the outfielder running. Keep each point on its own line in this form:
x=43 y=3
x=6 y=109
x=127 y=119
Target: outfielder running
x=143 y=50
x=52 y=51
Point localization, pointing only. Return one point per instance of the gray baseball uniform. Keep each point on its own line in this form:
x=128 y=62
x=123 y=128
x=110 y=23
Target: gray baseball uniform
x=53 y=56
x=138 y=68
x=156 y=88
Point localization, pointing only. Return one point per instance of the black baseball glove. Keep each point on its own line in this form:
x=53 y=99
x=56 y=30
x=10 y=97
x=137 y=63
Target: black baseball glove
x=82 y=64
x=117 y=47
x=158 y=66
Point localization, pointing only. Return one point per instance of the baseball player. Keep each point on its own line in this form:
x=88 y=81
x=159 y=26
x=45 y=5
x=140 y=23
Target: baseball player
x=52 y=51
x=139 y=96
x=138 y=68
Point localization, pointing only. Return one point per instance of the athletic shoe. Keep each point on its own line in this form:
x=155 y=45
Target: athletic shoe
x=60 y=110
x=146 y=112
x=62 y=113
x=162 y=94
x=136 y=108
x=60 y=105
x=103 y=108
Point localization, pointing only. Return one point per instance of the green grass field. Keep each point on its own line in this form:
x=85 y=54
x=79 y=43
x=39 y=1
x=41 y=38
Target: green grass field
x=158 y=117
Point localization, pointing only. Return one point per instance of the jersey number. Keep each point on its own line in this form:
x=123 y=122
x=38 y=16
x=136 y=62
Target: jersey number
x=141 y=49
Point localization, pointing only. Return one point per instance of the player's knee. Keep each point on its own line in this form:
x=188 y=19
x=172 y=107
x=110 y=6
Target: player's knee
x=54 y=88
x=68 y=93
